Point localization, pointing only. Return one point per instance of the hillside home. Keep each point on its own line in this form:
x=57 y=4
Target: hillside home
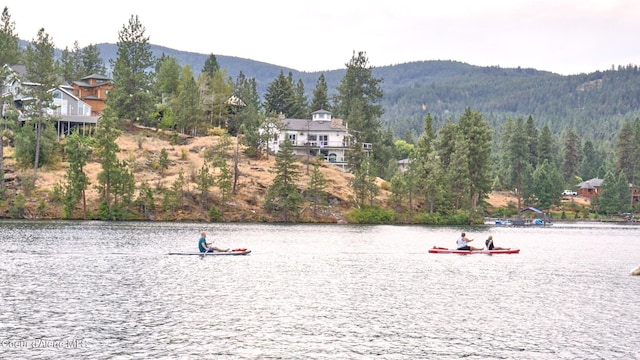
x=93 y=90
x=69 y=110
x=321 y=134
x=589 y=188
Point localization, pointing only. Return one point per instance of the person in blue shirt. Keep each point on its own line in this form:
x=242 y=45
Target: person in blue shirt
x=204 y=246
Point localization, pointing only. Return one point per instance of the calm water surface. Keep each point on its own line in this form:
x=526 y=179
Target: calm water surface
x=109 y=290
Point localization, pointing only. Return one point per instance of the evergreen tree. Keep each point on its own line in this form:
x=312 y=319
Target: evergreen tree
x=283 y=195
x=280 y=96
x=106 y=149
x=398 y=190
x=42 y=70
x=163 y=161
x=517 y=157
x=457 y=173
x=628 y=149
x=204 y=181
x=547 y=184
x=357 y=103
x=532 y=141
x=357 y=100
x=477 y=136
x=300 y=109
x=9 y=55
x=316 y=193
x=92 y=62
x=248 y=120
x=9 y=49
x=221 y=87
x=223 y=182
x=614 y=193
x=167 y=79
x=570 y=156
x=146 y=200
x=186 y=107
x=320 y=99
x=546 y=146
x=424 y=164
x=77 y=151
x=71 y=64
x=132 y=78
x=589 y=163
x=211 y=66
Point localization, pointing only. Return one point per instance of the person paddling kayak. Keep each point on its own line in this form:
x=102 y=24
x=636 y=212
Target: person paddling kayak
x=204 y=246
x=463 y=243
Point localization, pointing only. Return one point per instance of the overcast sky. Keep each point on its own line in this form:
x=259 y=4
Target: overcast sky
x=562 y=36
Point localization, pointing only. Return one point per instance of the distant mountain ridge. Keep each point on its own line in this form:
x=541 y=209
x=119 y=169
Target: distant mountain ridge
x=595 y=104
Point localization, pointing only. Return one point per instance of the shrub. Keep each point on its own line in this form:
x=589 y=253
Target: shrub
x=370 y=215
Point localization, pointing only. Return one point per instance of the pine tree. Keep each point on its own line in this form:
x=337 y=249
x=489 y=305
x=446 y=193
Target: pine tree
x=106 y=149
x=204 y=181
x=186 y=105
x=517 y=157
x=92 y=62
x=280 y=96
x=532 y=141
x=42 y=70
x=9 y=55
x=10 y=52
x=211 y=66
x=132 y=98
x=546 y=146
x=223 y=182
x=547 y=184
x=477 y=136
x=571 y=156
x=320 y=99
x=283 y=195
x=357 y=99
x=77 y=151
x=316 y=193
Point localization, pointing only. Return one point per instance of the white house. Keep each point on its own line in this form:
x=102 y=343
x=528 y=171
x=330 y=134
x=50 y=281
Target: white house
x=69 y=110
x=321 y=134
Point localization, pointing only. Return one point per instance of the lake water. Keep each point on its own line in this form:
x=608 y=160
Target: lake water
x=104 y=290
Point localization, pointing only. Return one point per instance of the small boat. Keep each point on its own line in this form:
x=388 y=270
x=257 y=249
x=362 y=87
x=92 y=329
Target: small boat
x=231 y=252
x=443 y=250
x=636 y=271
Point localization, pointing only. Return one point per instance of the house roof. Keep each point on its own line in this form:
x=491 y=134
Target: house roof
x=316 y=125
x=96 y=76
x=531 y=208
x=590 y=184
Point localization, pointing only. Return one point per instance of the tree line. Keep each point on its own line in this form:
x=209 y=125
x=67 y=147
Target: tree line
x=452 y=167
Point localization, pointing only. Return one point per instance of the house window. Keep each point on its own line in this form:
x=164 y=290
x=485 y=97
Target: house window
x=323 y=140
x=292 y=138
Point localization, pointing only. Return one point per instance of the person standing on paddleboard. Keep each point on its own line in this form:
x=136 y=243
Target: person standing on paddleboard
x=204 y=246
x=463 y=243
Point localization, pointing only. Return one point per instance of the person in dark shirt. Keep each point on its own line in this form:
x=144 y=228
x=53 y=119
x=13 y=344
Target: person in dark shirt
x=490 y=246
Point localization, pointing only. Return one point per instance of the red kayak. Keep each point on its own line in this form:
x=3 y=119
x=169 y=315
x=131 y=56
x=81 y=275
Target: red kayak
x=443 y=250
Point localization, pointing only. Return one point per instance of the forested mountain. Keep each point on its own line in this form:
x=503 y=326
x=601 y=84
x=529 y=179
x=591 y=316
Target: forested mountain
x=593 y=104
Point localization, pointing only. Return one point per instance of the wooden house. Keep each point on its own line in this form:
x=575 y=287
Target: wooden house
x=93 y=90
